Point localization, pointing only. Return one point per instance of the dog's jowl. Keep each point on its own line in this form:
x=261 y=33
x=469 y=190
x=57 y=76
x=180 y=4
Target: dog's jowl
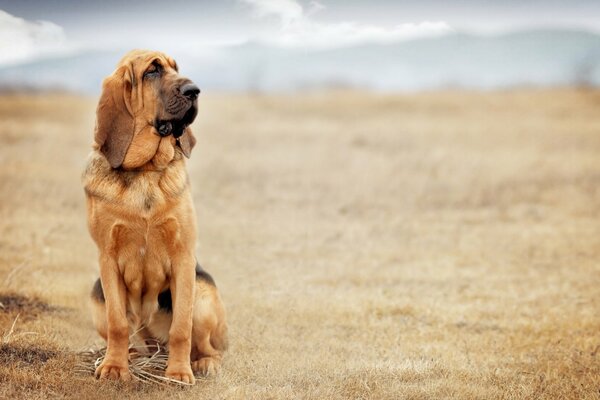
x=141 y=216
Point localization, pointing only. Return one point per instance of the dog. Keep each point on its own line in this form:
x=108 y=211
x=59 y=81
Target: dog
x=142 y=219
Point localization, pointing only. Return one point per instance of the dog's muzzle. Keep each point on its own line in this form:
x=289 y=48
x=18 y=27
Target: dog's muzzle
x=177 y=123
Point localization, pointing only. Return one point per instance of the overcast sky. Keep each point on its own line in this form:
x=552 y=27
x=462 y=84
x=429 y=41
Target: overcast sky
x=34 y=28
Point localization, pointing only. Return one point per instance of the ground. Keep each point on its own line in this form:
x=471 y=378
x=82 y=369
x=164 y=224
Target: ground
x=435 y=245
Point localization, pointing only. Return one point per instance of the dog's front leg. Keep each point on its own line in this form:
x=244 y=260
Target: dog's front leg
x=115 y=364
x=180 y=334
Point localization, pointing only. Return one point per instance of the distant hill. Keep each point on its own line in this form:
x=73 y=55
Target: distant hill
x=533 y=58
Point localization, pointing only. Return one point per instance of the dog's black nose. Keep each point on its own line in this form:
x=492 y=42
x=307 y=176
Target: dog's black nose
x=190 y=91
x=165 y=128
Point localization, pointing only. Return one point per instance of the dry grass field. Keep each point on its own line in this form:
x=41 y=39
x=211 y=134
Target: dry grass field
x=436 y=245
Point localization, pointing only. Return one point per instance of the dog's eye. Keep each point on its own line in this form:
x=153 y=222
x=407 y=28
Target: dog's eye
x=152 y=71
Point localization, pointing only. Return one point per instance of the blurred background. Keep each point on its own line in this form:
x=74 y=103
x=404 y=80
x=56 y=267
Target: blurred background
x=397 y=199
x=283 y=45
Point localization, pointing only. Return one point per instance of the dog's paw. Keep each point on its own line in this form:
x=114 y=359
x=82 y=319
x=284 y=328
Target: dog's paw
x=181 y=373
x=113 y=371
x=207 y=366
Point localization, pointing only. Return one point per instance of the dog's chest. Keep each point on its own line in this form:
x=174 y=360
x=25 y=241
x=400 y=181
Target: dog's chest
x=145 y=258
x=145 y=249
x=144 y=194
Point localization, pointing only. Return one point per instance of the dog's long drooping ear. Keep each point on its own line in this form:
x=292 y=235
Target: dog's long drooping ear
x=115 y=123
x=187 y=141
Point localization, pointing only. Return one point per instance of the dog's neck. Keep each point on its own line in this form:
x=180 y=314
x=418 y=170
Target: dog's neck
x=158 y=163
x=102 y=181
x=149 y=151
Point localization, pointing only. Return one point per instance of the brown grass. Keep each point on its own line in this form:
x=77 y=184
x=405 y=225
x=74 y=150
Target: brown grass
x=439 y=245
x=147 y=363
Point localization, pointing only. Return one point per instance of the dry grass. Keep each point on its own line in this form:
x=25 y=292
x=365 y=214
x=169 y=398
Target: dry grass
x=147 y=363
x=441 y=245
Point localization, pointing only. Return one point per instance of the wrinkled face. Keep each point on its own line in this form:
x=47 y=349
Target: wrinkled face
x=145 y=111
x=173 y=95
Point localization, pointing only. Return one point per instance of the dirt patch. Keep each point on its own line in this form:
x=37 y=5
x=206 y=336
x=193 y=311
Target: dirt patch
x=26 y=307
x=15 y=354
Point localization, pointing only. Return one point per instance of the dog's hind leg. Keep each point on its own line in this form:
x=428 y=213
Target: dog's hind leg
x=209 y=331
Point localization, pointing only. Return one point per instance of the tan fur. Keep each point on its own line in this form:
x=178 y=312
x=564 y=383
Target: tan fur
x=141 y=216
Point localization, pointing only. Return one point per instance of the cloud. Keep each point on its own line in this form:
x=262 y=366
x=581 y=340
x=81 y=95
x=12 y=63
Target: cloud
x=286 y=10
x=22 y=40
x=313 y=34
x=298 y=28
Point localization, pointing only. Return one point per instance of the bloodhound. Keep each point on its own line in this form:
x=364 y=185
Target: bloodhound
x=141 y=216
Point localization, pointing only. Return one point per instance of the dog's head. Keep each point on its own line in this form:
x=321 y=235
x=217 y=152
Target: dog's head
x=145 y=111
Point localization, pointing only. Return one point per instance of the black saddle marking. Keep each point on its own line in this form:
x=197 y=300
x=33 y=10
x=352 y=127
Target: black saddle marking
x=202 y=275
x=97 y=292
x=164 y=298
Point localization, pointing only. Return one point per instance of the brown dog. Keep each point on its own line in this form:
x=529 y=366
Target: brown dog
x=141 y=216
